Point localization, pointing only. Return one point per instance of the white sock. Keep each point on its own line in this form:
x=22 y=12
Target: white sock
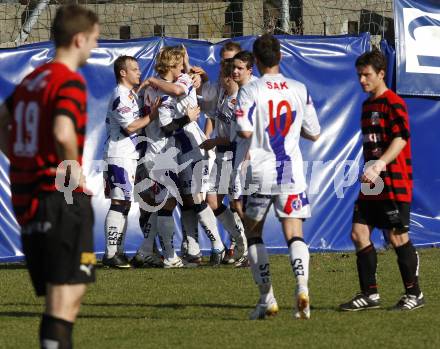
x=165 y=224
x=121 y=246
x=209 y=223
x=233 y=227
x=299 y=259
x=190 y=227
x=114 y=227
x=259 y=262
x=150 y=231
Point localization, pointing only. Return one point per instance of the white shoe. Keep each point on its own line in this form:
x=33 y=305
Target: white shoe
x=302 y=306
x=263 y=311
x=173 y=263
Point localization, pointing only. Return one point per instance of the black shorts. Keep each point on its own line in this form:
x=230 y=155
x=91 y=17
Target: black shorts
x=58 y=242
x=384 y=214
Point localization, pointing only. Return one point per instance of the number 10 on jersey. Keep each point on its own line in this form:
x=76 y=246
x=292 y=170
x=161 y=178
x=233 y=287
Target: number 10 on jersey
x=282 y=112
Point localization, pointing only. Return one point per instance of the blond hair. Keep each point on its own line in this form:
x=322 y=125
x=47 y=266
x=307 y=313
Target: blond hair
x=168 y=57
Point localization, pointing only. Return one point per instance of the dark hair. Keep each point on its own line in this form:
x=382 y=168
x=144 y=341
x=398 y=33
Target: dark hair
x=121 y=64
x=246 y=57
x=267 y=50
x=70 y=20
x=227 y=67
x=230 y=46
x=374 y=58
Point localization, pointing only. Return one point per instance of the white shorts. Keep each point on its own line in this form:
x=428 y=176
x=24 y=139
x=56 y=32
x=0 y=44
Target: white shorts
x=235 y=186
x=220 y=175
x=195 y=177
x=285 y=205
x=156 y=175
x=119 y=178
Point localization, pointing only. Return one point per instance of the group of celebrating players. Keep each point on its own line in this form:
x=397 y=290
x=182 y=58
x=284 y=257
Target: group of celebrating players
x=138 y=143
x=157 y=154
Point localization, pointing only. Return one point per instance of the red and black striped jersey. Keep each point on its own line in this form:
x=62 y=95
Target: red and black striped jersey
x=383 y=119
x=49 y=91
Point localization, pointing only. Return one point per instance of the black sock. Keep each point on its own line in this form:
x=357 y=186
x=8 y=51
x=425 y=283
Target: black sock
x=408 y=261
x=366 y=266
x=54 y=330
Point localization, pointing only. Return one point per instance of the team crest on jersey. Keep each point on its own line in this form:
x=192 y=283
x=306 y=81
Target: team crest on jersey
x=233 y=101
x=239 y=113
x=375 y=118
x=124 y=110
x=297 y=203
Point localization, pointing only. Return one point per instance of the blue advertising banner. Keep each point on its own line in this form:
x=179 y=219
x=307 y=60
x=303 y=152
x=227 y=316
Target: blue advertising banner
x=332 y=164
x=417 y=28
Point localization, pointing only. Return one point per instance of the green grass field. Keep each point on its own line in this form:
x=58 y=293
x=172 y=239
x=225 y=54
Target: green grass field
x=208 y=307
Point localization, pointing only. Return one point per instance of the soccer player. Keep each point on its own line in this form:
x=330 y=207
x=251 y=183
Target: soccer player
x=272 y=112
x=43 y=123
x=211 y=91
x=188 y=137
x=220 y=174
x=124 y=122
x=387 y=155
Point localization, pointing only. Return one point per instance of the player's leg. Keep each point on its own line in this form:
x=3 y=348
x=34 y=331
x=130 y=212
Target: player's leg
x=166 y=228
x=256 y=210
x=190 y=234
x=299 y=260
x=68 y=264
x=364 y=218
x=234 y=227
x=407 y=258
x=208 y=222
x=62 y=307
x=119 y=184
x=145 y=255
x=292 y=209
x=236 y=207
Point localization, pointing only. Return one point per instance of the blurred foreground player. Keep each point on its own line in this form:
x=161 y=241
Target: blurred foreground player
x=42 y=124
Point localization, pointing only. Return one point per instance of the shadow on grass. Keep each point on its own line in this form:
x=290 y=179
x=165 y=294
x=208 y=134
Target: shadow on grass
x=13 y=266
x=170 y=305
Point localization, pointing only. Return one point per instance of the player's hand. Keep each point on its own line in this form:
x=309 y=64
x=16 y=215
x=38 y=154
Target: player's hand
x=186 y=64
x=193 y=113
x=197 y=81
x=208 y=144
x=200 y=71
x=373 y=172
x=154 y=108
x=143 y=84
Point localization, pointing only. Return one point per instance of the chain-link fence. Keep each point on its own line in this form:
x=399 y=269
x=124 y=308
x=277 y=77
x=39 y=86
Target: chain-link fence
x=26 y=21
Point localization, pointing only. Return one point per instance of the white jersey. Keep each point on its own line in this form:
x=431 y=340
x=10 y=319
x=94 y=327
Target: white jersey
x=191 y=136
x=275 y=108
x=239 y=144
x=224 y=115
x=156 y=139
x=123 y=109
x=211 y=91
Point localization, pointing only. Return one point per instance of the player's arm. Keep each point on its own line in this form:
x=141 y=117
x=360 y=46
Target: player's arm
x=400 y=134
x=211 y=143
x=65 y=137
x=5 y=123
x=144 y=121
x=309 y=137
x=209 y=126
x=244 y=113
x=310 y=128
x=170 y=88
x=192 y=114
x=373 y=172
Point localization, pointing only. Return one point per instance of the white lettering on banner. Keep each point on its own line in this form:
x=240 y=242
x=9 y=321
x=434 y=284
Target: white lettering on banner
x=421 y=41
